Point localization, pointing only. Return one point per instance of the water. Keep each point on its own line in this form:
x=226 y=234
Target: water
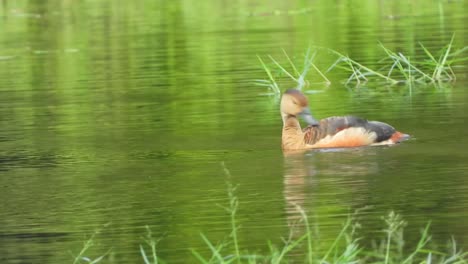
x=116 y=116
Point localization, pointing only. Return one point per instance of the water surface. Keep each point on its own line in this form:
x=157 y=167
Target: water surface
x=116 y=116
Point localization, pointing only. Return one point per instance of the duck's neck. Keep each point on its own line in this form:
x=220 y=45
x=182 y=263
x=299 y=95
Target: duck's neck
x=292 y=136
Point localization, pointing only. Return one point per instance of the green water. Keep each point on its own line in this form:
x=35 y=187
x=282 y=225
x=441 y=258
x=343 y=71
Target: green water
x=116 y=115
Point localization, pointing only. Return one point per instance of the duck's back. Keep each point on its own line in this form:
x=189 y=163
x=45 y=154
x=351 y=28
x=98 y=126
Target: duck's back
x=350 y=131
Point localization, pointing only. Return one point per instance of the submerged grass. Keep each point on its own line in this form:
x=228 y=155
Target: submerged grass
x=396 y=68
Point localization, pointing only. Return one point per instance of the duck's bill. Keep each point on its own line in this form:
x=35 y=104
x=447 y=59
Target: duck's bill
x=306 y=115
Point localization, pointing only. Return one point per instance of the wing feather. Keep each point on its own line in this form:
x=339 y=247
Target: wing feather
x=332 y=125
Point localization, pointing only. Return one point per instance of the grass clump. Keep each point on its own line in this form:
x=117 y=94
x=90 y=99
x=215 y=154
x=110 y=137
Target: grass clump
x=298 y=77
x=400 y=68
x=395 y=68
x=358 y=72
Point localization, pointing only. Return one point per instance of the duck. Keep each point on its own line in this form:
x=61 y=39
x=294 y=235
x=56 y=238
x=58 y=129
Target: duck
x=331 y=132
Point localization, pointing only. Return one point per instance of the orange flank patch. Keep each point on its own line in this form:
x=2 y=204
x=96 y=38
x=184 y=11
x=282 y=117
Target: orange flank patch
x=398 y=137
x=347 y=138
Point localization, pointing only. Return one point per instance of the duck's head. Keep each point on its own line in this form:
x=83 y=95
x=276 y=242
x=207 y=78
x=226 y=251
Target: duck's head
x=294 y=103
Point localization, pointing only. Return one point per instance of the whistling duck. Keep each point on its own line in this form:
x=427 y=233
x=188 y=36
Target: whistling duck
x=332 y=132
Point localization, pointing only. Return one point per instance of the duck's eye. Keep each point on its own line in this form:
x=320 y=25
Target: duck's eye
x=294 y=102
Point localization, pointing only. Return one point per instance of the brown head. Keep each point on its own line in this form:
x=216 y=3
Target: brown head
x=294 y=103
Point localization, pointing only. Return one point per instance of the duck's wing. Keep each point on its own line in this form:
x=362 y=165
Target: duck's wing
x=348 y=131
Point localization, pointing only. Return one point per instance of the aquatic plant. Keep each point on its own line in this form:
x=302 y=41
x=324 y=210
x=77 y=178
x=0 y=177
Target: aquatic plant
x=298 y=77
x=81 y=258
x=271 y=82
x=396 y=67
x=358 y=71
x=151 y=242
x=399 y=68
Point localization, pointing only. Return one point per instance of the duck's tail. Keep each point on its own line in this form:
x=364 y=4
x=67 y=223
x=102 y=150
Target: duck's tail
x=398 y=137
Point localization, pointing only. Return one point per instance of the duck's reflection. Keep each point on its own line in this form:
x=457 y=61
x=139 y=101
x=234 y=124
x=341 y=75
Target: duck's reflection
x=326 y=182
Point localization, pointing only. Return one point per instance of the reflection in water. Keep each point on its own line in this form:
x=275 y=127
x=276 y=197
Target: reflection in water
x=121 y=110
x=304 y=172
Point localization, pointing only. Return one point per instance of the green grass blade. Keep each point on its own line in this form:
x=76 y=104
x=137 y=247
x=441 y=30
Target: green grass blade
x=291 y=63
x=199 y=257
x=97 y=260
x=308 y=232
x=290 y=247
x=320 y=73
x=263 y=84
x=397 y=60
x=89 y=243
x=458 y=60
x=337 y=239
x=338 y=61
x=307 y=60
x=391 y=69
x=422 y=242
x=429 y=258
x=443 y=59
x=213 y=249
x=410 y=65
x=428 y=53
x=281 y=67
x=364 y=67
x=458 y=52
x=273 y=86
x=143 y=255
